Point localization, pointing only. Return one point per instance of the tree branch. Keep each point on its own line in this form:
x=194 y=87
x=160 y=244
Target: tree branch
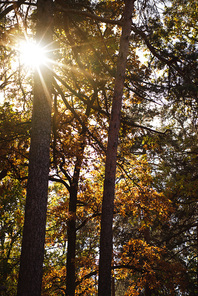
x=88 y=14
x=14 y=5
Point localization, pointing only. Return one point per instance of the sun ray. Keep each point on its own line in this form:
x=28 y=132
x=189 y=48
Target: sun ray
x=46 y=90
x=32 y=54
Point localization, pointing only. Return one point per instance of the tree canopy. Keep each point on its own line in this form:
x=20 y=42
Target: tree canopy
x=56 y=117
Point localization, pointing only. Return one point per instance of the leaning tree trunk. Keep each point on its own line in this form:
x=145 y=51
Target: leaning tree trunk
x=106 y=235
x=32 y=254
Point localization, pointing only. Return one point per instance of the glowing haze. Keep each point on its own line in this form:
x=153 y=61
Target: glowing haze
x=32 y=54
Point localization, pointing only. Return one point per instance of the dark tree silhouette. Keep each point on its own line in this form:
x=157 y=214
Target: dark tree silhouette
x=32 y=254
x=104 y=288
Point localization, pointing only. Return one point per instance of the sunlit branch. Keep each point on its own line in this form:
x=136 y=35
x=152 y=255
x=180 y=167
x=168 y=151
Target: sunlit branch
x=129 y=122
x=170 y=62
x=59 y=180
x=76 y=115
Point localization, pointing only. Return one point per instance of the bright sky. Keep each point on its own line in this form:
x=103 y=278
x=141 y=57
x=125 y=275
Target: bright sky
x=31 y=55
x=1 y=97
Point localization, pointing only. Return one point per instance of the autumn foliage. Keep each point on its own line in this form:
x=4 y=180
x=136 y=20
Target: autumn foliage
x=156 y=185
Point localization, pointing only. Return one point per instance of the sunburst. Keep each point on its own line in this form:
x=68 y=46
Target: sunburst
x=32 y=54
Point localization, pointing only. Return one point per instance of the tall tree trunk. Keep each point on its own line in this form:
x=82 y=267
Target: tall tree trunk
x=106 y=235
x=71 y=233
x=32 y=254
x=71 y=230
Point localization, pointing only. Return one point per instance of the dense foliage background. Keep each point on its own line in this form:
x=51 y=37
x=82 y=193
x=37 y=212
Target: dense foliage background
x=155 y=213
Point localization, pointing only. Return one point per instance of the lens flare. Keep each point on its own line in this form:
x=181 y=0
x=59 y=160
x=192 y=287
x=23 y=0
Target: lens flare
x=32 y=54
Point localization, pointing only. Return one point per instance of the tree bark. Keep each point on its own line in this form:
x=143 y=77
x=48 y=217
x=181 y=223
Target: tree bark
x=106 y=235
x=32 y=254
x=71 y=227
x=71 y=237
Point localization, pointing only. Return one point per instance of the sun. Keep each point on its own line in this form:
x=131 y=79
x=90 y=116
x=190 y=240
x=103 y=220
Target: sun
x=32 y=54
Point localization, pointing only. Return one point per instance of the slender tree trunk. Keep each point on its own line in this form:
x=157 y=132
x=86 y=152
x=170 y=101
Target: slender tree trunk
x=32 y=254
x=71 y=236
x=71 y=230
x=71 y=247
x=106 y=235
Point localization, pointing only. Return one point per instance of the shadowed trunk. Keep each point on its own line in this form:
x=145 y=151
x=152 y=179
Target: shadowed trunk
x=106 y=235
x=71 y=230
x=32 y=254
